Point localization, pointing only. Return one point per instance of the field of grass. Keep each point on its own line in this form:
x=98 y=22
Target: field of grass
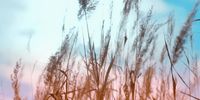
x=130 y=66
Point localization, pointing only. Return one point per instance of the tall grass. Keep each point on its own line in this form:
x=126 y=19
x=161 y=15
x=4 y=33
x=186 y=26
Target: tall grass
x=128 y=71
x=15 y=78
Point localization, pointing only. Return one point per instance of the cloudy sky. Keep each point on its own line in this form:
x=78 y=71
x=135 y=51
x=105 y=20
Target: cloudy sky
x=32 y=29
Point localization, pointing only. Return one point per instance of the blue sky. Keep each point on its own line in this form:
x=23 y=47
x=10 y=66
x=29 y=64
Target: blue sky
x=186 y=4
x=43 y=19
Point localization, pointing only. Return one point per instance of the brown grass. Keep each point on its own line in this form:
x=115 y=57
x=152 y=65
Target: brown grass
x=15 y=78
x=116 y=71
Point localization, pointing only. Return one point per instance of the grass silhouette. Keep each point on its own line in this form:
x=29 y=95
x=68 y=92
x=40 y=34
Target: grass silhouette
x=127 y=71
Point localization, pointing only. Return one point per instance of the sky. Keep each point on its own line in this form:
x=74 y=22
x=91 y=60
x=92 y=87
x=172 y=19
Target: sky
x=31 y=30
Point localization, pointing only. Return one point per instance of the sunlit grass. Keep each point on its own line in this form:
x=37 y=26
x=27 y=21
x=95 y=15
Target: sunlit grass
x=129 y=71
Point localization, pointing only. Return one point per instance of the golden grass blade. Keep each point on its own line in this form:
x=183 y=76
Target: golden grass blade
x=190 y=95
